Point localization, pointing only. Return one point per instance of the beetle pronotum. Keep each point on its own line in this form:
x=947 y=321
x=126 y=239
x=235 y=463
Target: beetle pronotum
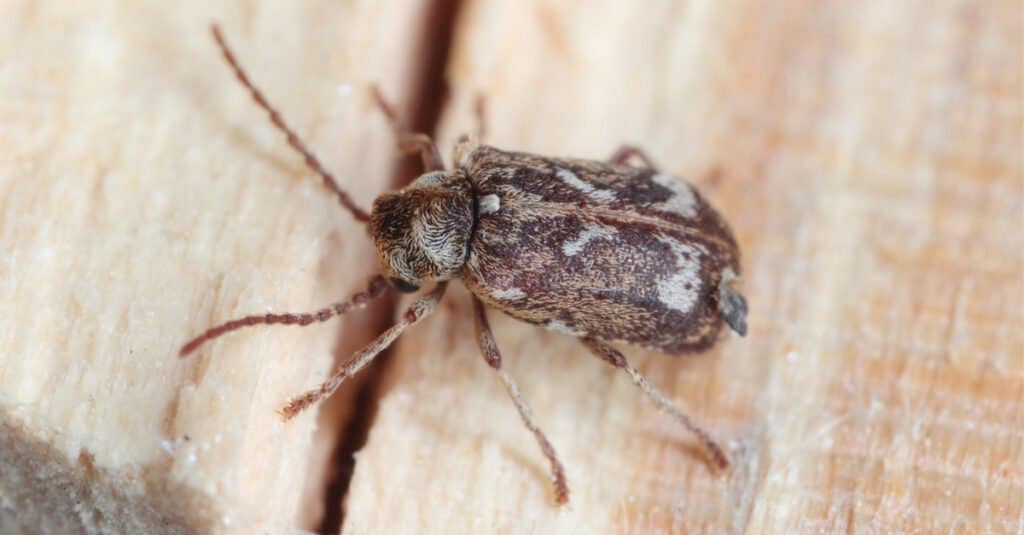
x=604 y=251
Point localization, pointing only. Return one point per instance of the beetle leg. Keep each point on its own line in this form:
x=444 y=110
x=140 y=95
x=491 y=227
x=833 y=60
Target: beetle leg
x=409 y=142
x=493 y=357
x=612 y=356
x=419 y=309
x=628 y=152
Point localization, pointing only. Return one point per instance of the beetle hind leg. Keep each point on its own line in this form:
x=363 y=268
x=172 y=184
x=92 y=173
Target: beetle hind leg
x=612 y=356
x=493 y=357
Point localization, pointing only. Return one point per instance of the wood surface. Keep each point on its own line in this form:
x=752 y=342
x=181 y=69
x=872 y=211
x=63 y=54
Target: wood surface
x=869 y=158
x=145 y=197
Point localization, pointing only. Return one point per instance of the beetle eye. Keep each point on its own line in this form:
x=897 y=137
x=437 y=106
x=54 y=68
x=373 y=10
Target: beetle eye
x=403 y=286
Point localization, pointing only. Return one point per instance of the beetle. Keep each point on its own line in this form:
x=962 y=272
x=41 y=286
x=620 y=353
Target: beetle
x=604 y=251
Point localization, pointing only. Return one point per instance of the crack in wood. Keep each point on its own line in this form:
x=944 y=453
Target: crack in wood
x=424 y=105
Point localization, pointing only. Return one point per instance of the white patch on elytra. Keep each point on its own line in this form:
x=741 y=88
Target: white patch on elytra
x=683 y=200
x=591 y=232
x=508 y=294
x=680 y=290
x=489 y=204
x=558 y=326
x=571 y=179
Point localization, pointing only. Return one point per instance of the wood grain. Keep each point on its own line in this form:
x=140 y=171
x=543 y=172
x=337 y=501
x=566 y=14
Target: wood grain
x=869 y=157
x=145 y=197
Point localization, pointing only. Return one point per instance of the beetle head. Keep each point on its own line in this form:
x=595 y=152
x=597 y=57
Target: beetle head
x=422 y=231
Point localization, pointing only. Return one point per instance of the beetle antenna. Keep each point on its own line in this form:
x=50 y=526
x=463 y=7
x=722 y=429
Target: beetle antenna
x=359 y=300
x=293 y=139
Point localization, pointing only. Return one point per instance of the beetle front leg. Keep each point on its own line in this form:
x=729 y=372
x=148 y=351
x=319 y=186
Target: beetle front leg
x=628 y=152
x=409 y=142
x=493 y=357
x=420 y=309
x=612 y=356
x=480 y=116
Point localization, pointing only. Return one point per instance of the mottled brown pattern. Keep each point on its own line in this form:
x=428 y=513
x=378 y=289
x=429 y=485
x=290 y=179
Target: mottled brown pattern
x=608 y=289
x=422 y=232
x=603 y=251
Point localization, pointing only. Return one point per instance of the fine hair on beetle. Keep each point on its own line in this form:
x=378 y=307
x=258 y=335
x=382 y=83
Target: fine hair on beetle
x=602 y=250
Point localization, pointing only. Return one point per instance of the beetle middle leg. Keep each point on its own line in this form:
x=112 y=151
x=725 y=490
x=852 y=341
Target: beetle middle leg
x=612 y=356
x=627 y=152
x=419 y=309
x=493 y=357
x=409 y=142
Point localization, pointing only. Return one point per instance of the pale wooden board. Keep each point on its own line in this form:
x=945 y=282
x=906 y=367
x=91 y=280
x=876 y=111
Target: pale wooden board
x=869 y=158
x=143 y=197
